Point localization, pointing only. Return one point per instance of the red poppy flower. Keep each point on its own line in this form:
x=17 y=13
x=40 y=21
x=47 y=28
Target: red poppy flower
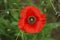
x=31 y=20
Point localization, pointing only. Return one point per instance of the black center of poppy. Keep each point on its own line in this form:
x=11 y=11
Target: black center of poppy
x=31 y=19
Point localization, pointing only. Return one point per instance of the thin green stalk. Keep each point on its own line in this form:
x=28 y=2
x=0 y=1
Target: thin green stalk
x=22 y=35
x=17 y=36
x=53 y=6
x=5 y=3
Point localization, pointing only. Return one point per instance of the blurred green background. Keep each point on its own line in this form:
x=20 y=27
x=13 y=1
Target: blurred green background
x=10 y=12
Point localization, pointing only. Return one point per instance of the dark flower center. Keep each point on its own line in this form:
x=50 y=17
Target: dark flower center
x=31 y=19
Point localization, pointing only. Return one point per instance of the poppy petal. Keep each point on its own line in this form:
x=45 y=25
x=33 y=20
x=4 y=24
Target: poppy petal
x=40 y=19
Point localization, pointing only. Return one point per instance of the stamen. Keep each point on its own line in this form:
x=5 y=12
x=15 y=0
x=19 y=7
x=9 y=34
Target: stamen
x=31 y=19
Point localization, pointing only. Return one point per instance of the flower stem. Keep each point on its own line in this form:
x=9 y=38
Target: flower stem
x=22 y=35
x=17 y=36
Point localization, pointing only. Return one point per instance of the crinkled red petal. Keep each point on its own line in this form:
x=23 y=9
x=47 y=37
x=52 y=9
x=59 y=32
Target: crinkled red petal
x=31 y=11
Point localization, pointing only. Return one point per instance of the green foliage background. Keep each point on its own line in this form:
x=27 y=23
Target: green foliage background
x=10 y=13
